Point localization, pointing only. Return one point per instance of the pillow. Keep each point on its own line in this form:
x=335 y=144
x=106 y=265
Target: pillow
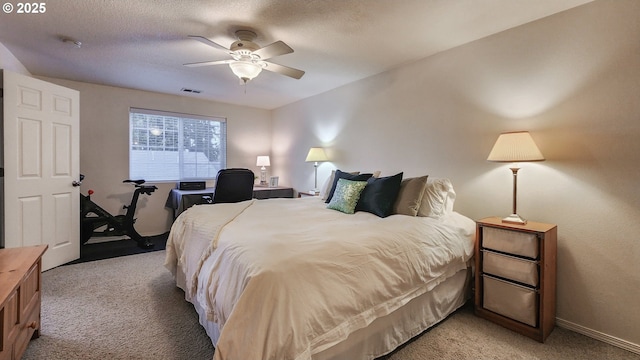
x=438 y=198
x=348 y=176
x=326 y=187
x=379 y=195
x=410 y=196
x=346 y=195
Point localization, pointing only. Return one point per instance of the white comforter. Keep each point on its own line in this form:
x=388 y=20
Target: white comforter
x=287 y=278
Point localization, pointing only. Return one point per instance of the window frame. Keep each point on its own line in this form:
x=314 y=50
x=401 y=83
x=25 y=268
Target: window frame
x=181 y=117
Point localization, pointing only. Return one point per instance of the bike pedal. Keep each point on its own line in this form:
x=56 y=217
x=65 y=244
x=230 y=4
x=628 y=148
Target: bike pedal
x=145 y=244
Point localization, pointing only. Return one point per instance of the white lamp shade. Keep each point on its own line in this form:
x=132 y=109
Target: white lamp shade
x=515 y=147
x=263 y=160
x=245 y=70
x=316 y=154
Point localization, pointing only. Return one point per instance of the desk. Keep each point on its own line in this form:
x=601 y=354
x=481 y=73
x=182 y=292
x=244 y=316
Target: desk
x=180 y=200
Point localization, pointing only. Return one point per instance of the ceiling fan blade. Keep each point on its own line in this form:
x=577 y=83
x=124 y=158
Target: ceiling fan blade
x=207 y=63
x=206 y=41
x=284 y=70
x=276 y=49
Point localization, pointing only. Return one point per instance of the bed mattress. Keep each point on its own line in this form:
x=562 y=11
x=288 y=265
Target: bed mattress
x=290 y=279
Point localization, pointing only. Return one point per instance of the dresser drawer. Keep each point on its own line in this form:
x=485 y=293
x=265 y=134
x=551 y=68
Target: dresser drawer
x=513 y=242
x=510 y=267
x=25 y=331
x=511 y=300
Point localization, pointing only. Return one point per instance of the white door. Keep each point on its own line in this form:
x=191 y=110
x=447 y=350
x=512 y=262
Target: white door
x=41 y=162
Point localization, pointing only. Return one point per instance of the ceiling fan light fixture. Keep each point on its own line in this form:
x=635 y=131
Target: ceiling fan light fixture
x=248 y=58
x=245 y=70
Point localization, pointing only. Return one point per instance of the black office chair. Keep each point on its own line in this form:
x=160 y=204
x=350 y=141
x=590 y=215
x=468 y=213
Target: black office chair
x=233 y=185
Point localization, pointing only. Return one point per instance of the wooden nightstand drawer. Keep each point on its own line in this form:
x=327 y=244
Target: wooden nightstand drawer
x=510 y=267
x=512 y=242
x=511 y=300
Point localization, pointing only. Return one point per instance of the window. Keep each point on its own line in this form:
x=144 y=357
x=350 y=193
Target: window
x=168 y=146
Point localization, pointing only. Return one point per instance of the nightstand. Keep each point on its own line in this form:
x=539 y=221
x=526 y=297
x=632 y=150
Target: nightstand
x=515 y=284
x=265 y=192
x=307 y=193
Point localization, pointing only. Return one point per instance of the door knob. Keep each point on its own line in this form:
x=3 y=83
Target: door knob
x=75 y=183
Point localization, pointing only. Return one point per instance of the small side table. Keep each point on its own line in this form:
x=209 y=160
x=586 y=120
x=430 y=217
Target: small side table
x=307 y=193
x=267 y=192
x=515 y=283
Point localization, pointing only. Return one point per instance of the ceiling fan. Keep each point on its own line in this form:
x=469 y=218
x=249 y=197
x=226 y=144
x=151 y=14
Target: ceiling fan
x=248 y=58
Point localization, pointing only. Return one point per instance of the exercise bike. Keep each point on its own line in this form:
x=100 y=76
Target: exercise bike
x=96 y=221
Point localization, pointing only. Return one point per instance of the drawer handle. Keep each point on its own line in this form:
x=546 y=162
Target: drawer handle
x=33 y=325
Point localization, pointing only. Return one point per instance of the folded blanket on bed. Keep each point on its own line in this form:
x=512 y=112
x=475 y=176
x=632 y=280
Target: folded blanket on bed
x=193 y=238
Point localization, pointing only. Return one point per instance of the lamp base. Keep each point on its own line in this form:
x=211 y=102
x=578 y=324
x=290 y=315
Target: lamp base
x=514 y=219
x=263 y=176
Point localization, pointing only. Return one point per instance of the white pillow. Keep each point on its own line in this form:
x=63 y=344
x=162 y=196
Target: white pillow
x=326 y=187
x=438 y=198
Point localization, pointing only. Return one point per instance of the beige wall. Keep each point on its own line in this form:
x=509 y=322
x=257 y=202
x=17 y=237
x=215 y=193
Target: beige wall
x=573 y=81
x=104 y=139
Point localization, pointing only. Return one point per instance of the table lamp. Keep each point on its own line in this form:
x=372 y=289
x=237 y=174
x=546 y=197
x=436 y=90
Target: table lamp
x=515 y=147
x=315 y=155
x=263 y=160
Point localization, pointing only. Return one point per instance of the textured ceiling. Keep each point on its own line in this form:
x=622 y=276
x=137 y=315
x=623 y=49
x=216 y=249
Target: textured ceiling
x=142 y=44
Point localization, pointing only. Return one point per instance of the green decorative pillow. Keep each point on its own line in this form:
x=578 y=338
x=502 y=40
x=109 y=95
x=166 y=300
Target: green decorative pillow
x=344 y=175
x=346 y=195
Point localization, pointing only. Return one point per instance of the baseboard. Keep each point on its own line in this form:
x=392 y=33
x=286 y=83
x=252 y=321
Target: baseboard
x=611 y=340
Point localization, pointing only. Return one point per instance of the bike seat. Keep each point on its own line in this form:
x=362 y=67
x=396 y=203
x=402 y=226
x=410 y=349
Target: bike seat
x=137 y=182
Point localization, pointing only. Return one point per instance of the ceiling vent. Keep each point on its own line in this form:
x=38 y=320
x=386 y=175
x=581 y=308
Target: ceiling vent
x=191 y=91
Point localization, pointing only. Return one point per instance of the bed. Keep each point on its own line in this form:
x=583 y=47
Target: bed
x=293 y=279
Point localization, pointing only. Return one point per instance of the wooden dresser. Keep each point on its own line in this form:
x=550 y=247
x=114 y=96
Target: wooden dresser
x=20 y=282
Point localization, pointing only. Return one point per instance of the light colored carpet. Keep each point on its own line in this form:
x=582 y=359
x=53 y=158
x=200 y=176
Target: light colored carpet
x=129 y=308
x=121 y=308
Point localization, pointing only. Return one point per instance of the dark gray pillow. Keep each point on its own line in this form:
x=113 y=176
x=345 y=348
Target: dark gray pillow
x=347 y=176
x=379 y=195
